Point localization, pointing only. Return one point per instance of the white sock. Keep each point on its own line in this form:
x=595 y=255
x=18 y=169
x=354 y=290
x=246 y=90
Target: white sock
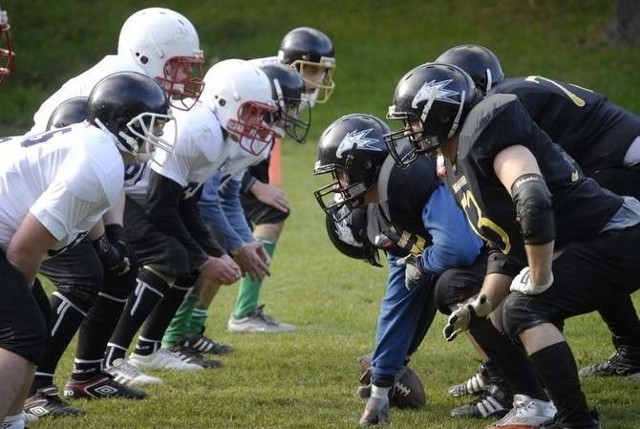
x=15 y=421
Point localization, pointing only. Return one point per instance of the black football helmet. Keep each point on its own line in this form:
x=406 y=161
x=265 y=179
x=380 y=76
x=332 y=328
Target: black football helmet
x=307 y=49
x=133 y=108
x=68 y=112
x=7 y=56
x=352 y=149
x=479 y=62
x=287 y=88
x=349 y=236
x=439 y=96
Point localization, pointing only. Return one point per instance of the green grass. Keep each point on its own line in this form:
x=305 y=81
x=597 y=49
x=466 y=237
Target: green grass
x=308 y=379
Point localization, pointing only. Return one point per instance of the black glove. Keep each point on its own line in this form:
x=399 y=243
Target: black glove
x=113 y=259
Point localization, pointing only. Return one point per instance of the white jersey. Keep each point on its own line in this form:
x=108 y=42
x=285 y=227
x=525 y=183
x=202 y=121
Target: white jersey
x=66 y=178
x=199 y=152
x=81 y=85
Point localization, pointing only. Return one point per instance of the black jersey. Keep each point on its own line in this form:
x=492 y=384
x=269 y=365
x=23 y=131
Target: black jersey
x=595 y=132
x=403 y=194
x=581 y=207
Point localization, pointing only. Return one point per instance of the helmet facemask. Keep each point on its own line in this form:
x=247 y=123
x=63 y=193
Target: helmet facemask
x=141 y=136
x=318 y=78
x=288 y=117
x=7 y=56
x=340 y=197
x=182 y=81
x=252 y=126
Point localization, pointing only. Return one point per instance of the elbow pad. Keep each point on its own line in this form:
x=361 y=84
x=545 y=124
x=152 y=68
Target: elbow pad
x=534 y=209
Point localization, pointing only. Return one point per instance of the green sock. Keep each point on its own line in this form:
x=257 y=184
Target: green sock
x=180 y=322
x=198 y=321
x=249 y=290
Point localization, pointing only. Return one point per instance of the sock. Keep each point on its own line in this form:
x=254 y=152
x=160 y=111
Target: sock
x=40 y=380
x=148 y=292
x=15 y=421
x=249 y=290
x=98 y=326
x=65 y=320
x=509 y=359
x=180 y=323
x=146 y=346
x=160 y=318
x=84 y=370
x=557 y=370
x=198 y=321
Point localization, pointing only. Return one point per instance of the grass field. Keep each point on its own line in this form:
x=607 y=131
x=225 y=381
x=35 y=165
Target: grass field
x=308 y=379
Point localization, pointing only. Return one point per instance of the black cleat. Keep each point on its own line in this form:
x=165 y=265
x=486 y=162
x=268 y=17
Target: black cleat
x=101 y=386
x=47 y=402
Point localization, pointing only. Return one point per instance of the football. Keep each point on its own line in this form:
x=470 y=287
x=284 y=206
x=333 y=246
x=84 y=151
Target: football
x=407 y=392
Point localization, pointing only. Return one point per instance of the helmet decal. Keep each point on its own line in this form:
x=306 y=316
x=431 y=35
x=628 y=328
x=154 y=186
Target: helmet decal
x=433 y=90
x=357 y=140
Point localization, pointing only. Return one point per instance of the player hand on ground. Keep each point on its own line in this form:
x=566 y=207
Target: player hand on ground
x=465 y=317
x=376 y=412
x=222 y=270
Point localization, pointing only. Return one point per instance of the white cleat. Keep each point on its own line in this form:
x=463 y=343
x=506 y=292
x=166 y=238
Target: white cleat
x=162 y=359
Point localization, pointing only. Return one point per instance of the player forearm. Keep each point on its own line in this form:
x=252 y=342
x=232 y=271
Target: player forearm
x=495 y=287
x=540 y=258
x=28 y=246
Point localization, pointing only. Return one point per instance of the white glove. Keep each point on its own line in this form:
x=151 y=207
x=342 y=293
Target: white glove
x=523 y=283
x=465 y=317
x=413 y=274
x=376 y=411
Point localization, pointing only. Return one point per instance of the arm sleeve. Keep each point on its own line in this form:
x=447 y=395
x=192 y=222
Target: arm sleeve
x=453 y=242
x=163 y=199
x=230 y=197
x=247 y=182
x=214 y=216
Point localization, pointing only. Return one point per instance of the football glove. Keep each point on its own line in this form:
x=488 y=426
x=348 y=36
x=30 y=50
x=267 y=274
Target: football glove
x=377 y=411
x=413 y=272
x=465 y=317
x=523 y=283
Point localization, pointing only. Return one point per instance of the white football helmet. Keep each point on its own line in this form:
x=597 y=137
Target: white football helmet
x=7 y=56
x=165 y=45
x=239 y=94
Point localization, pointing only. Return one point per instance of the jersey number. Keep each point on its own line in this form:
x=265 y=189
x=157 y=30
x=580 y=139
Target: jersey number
x=484 y=227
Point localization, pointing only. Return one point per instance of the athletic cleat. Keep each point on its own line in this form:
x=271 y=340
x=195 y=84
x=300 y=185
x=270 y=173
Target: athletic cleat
x=47 y=402
x=29 y=418
x=101 y=386
x=616 y=366
x=527 y=413
x=205 y=345
x=495 y=402
x=162 y=359
x=558 y=425
x=257 y=321
x=192 y=357
x=478 y=383
x=125 y=373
